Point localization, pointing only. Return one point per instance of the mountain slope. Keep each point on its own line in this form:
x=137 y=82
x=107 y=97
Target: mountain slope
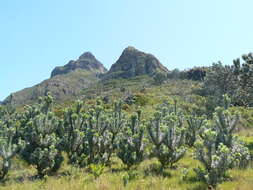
x=75 y=78
x=134 y=63
x=65 y=83
x=86 y=61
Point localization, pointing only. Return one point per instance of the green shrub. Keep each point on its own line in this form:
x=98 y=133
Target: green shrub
x=131 y=145
x=72 y=132
x=42 y=142
x=167 y=134
x=194 y=125
x=96 y=170
x=8 y=147
x=101 y=133
x=219 y=150
x=141 y=100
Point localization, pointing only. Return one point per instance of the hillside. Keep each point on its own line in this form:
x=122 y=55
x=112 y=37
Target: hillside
x=65 y=83
x=75 y=78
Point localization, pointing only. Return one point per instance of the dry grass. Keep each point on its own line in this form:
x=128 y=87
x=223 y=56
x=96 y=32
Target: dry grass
x=112 y=179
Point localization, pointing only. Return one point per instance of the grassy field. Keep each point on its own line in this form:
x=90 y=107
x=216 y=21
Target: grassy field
x=147 y=176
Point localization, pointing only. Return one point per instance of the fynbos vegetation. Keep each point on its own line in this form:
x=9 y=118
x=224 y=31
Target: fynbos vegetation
x=134 y=130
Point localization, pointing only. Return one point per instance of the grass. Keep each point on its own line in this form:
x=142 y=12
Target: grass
x=149 y=177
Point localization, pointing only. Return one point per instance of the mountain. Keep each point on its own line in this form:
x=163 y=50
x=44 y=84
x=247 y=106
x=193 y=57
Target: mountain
x=132 y=63
x=65 y=83
x=86 y=61
x=76 y=77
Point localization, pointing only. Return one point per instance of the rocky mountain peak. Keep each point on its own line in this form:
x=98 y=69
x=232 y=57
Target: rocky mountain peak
x=87 y=61
x=133 y=62
x=87 y=55
x=129 y=48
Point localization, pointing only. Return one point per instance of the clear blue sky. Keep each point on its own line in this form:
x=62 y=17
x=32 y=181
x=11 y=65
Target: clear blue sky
x=37 y=35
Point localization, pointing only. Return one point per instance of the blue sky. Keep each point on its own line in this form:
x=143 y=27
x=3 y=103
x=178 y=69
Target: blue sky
x=36 y=36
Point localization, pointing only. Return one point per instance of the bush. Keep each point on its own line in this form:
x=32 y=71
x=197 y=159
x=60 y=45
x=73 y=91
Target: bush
x=219 y=150
x=159 y=78
x=234 y=80
x=96 y=170
x=131 y=145
x=101 y=130
x=42 y=142
x=167 y=135
x=8 y=147
x=216 y=161
x=72 y=132
x=194 y=125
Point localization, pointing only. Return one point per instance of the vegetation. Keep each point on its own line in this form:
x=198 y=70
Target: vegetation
x=8 y=146
x=175 y=133
x=167 y=136
x=39 y=133
x=131 y=145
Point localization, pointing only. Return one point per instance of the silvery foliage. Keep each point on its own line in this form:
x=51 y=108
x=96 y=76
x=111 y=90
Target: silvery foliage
x=218 y=149
x=116 y=123
x=101 y=133
x=167 y=134
x=195 y=123
x=242 y=154
x=131 y=145
x=72 y=132
x=216 y=160
x=225 y=124
x=9 y=146
x=39 y=133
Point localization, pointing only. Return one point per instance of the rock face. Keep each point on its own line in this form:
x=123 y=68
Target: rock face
x=65 y=83
x=133 y=63
x=69 y=81
x=86 y=61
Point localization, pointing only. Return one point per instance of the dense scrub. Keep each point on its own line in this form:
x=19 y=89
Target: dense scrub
x=162 y=133
x=93 y=135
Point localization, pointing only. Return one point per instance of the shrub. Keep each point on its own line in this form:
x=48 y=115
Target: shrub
x=130 y=176
x=219 y=150
x=196 y=73
x=216 y=161
x=73 y=132
x=101 y=133
x=42 y=142
x=167 y=135
x=131 y=144
x=116 y=122
x=8 y=146
x=194 y=125
x=159 y=78
x=234 y=80
x=96 y=170
x=225 y=123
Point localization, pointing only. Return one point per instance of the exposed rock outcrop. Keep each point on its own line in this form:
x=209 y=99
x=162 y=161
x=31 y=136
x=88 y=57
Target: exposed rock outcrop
x=133 y=63
x=86 y=61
